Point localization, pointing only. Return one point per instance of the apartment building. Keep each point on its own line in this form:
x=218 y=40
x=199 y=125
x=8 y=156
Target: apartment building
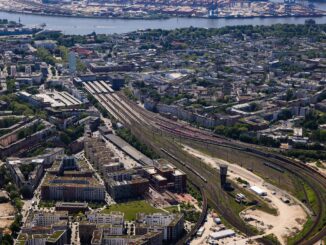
x=71 y=180
x=171 y=225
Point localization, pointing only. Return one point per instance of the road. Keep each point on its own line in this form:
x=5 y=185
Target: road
x=208 y=225
x=75 y=240
x=32 y=203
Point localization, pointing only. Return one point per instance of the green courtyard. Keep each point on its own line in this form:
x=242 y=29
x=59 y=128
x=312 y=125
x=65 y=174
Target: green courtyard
x=130 y=209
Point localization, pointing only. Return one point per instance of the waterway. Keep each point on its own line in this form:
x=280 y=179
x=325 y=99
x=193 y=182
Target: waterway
x=84 y=26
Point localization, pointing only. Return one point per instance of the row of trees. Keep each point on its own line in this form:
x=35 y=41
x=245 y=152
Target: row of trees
x=71 y=40
x=283 y=31
x=313 y=120
x=30 y=130
x=20 y=107
x=311 y=124
x=8 y=122
x=131 y=139
x=305 y=155
x=71 y=134
x=241 y=132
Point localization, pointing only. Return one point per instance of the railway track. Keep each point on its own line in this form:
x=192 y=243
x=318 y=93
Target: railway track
x=128 y=110
x=298 y=169
x=192 y=173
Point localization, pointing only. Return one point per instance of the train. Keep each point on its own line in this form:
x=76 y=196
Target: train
x=273 y=166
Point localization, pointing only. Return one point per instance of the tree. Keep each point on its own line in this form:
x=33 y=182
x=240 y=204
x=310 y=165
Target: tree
x=11 y=85
x=253 y=106
x=289 y=95
x=65 y=138
x=81 y=67
x=7 y=240
x=310 y=22
x=284 y=115
x=63 y=53
x=18 y=203
x=46 y=56
x=319 y=135
x=15 y=226
x=267 y=141
x=26 y=192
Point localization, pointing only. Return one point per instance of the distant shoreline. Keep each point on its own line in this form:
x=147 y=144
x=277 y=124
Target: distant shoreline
x=163 y=17
x=317 y=1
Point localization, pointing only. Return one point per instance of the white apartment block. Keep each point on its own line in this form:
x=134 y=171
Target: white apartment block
x=114 y=218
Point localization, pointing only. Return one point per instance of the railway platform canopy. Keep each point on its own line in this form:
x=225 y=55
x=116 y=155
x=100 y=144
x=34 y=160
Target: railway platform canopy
x=131 y=151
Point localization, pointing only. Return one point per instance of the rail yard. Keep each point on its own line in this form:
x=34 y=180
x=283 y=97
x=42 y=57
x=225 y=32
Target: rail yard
x=147 y=125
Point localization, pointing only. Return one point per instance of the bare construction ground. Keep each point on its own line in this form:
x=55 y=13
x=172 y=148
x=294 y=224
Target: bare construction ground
x=7 y=215
x=290 y=217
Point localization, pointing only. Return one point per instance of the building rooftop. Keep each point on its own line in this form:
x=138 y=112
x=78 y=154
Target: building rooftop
x=58 y=99
x=52 y=180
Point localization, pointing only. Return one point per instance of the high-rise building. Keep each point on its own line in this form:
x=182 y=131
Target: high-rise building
x=223 y=174
x=72 y=62
x=13 y=70
x=28 y=69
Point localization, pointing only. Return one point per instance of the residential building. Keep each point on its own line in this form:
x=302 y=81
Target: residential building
x=71 y=180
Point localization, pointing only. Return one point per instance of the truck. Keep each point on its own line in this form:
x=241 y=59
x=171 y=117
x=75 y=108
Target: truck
x=200 y=231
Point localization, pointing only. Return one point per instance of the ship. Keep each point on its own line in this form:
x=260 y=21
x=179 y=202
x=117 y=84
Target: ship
x=5 y=31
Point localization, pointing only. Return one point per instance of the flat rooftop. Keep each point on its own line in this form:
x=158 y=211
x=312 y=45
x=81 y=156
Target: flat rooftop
x=72 y=204
x=52 y=180
x=59 y=99
x=159 y=177
x=128 y=149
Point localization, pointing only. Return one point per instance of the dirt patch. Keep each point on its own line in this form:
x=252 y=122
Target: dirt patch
x=290 y=218
x=283 y=225
x=7 y=215
x=300 y=221
x=6 y=209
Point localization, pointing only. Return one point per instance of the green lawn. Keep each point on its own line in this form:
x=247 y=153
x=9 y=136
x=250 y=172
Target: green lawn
x=46 y=204
x=130 y=209
x=272 y=239
x=172 y=209
x=56 y=235
x=306 y=227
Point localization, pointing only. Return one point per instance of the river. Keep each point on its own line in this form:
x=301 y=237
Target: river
x=84 y=26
